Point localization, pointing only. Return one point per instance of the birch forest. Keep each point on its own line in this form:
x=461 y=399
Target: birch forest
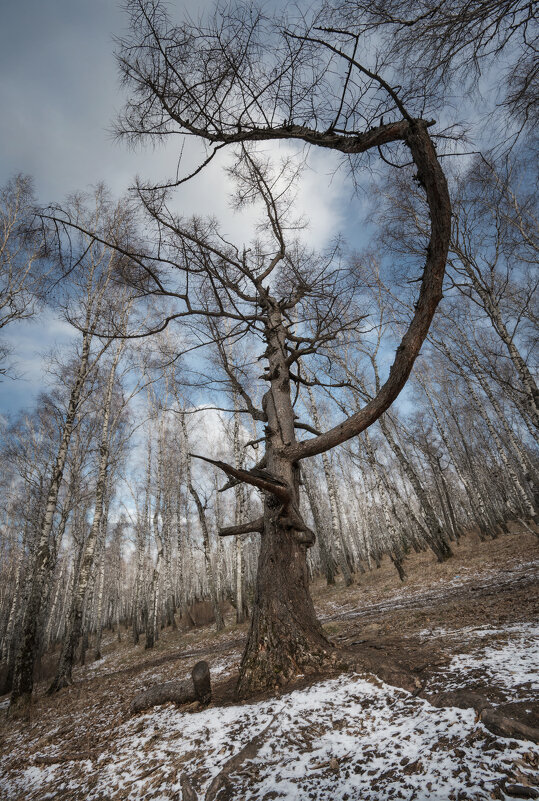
x=268 y=525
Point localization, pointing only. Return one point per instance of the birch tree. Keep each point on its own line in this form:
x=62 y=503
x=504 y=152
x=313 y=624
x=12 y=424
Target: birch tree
x=94 y=265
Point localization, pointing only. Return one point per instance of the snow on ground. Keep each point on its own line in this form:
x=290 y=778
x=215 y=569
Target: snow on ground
x=506 y=658
x=351 y=738
x=347 y=738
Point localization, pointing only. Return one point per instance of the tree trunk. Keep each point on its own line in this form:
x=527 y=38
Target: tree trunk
x=210 y=573
x=23 y=679
x=99 y=609
x=437 y=541
x=395 y=547
x=329 y=474
x=75 y=615
x=492 y=308
x=326 y=559
x=285 y=637
x=240 y=493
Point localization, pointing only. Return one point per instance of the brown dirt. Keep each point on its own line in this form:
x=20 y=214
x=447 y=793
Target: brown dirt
x=392 y=631
x=378 y=624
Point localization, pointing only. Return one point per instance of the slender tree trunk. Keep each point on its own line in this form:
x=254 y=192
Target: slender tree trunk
x=210 y=573
x=520 y=492
x=99 y=607
x=395 y=549
x=525 y=468
x=474 y=496
x=492 y=308
x=327 y=562
x=8 y=644
x=437 y=540
x=239 y=565
x=152 y=631
x=333 y=503
x=23 y=680
x=447 y=496
x=75 y=615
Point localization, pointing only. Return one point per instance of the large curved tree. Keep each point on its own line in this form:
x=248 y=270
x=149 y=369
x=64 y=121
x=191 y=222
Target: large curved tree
x=236 y=79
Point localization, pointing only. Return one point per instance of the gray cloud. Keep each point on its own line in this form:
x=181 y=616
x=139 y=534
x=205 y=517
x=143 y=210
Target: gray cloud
x=59 y=93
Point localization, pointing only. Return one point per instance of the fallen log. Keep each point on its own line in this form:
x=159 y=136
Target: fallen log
x=520 y=791
x=196 y=688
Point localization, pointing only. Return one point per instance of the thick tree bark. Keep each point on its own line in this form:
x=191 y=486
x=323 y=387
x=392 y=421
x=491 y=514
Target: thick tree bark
x=196 y=688
x=285 y=637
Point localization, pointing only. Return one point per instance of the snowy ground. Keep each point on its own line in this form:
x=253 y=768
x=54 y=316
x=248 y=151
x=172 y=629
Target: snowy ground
x=350 y=738
x=346 y=738
x=507 y=659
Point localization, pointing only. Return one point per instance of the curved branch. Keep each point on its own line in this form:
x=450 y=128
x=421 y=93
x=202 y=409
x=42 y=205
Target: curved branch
x=431 y=177
x=260 y=479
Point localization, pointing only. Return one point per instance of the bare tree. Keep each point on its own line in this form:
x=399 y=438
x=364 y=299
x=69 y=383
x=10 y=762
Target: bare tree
x=216 y=83
x=92 y=267
x=110 y=419
x=22 y=266
x=442 y=43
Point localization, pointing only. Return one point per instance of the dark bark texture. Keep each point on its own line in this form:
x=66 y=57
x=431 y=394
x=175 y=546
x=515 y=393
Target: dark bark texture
x=285 y=637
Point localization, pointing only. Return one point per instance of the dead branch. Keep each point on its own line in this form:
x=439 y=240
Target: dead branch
x=245 y=528
x=261 y=479
x=247 y=752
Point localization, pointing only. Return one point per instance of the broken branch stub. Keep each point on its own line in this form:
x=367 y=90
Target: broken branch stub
x=200 y=676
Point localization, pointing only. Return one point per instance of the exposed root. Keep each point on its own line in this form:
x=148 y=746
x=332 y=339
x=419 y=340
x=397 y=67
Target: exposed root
x=248 y=751
x=494 y=721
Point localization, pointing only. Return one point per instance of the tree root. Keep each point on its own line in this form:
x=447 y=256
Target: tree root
x=222 y=780
x=494 y=721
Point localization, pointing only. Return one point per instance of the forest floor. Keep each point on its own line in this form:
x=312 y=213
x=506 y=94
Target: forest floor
x=368 y=733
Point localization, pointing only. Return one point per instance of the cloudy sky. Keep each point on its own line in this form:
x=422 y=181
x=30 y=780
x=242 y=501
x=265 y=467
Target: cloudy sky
x=59 y=93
